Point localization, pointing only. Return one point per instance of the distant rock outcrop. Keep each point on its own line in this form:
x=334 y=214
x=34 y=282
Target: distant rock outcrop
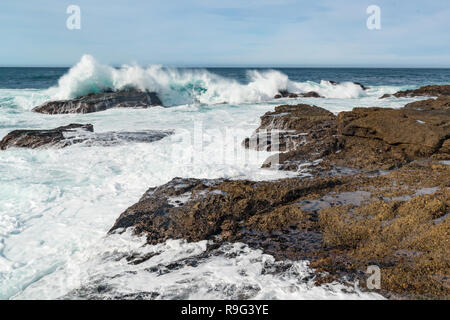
x=101 y=101
x=431 y=91
x=335 y=83
x=286 y=94
x=310 y=94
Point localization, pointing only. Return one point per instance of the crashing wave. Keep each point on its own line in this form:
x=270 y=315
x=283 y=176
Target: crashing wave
x=182 y=86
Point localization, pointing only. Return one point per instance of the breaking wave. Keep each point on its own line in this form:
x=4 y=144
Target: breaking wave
x=185 y=86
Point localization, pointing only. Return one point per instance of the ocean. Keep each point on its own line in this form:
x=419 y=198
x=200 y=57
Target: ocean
x=56 y=205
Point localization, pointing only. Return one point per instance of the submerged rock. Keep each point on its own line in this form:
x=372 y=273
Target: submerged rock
x=118 y=137
x=433 y=90
x=76 y=133
x=310 y=94
x=286 y=94
x=39 y=138
x=101 y=101
x=335 y=83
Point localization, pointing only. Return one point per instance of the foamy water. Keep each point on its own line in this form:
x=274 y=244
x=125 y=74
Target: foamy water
x=177 y=87
x=178 y=270
x=57 y=205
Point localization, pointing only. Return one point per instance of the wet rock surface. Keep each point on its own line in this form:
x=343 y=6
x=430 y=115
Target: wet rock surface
x=286 y=94
x=101 y=101
x=39 y=138
x=206 y=209
x=432 y=91
x=340 y=224
x=387 y=138
x=294 y=126
x=311 y=94
x=312 y=138
x=376 y=192
x=440 y=104
x=74 y=134
x=119 y=137
x=335 y=83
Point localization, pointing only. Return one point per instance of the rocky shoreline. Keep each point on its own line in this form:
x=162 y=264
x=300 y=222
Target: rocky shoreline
x=376 y=192
x=373 y=188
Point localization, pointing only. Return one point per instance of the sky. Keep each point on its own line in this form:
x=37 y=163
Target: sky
x=319 y=33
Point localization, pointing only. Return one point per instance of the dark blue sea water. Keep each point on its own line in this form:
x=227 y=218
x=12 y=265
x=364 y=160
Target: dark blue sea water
x=42 y=78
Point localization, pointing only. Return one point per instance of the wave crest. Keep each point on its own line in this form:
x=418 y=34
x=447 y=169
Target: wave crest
x=183 y=86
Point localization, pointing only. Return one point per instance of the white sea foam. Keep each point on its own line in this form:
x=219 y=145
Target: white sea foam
x=180 y=270
x=177 y=86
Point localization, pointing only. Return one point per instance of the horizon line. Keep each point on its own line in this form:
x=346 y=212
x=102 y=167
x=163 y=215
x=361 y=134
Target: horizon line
x=288 y=66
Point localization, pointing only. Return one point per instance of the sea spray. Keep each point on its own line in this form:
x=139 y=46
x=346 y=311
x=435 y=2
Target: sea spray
x=186 y=86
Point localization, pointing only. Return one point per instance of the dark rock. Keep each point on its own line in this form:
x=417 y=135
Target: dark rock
x=442 y=103
x=365 y=138
x=301 y=118
x=432 y=91
x=397 y=126
x=378 y=143
x=39 y=138
x=311 y=94
x=393 y=136
x=305 y=134
x=361 y=85
x=282 y=94
x=101 y=101
x=286 y=94
x=76 y=133
x=120 y=137
x=356 y=83
x=216 y=209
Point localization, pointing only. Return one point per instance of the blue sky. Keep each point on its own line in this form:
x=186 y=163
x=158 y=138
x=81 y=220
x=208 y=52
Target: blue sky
x=227 y=33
